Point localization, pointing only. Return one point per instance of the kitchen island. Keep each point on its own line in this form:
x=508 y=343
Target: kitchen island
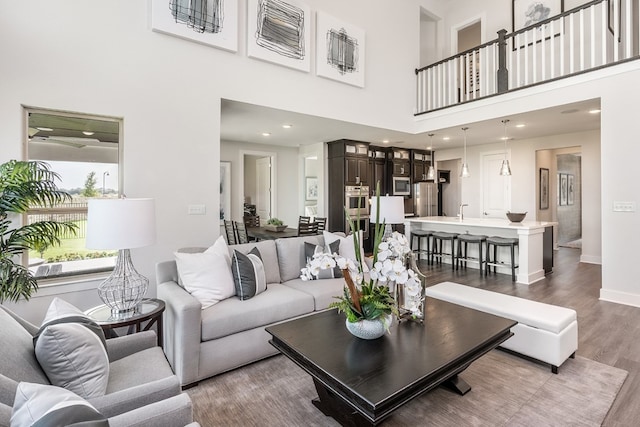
x=535 y=250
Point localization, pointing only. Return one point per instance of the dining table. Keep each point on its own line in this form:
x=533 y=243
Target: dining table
x=261 y=233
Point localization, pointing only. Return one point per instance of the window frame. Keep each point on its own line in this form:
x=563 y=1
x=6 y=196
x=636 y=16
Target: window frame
x=79 y=275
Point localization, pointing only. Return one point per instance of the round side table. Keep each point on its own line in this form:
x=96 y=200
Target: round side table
x=149 y=310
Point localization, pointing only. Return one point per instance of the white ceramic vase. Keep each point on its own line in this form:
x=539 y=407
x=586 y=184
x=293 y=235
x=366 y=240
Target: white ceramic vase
x=369 y=329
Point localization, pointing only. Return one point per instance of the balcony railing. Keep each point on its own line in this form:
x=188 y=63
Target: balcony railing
x=591 y=36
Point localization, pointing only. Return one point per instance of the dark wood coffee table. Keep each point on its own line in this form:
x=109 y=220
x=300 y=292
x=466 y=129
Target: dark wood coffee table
x=361 y=382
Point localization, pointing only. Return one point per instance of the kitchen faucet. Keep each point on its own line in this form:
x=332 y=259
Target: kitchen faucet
x=461 y=213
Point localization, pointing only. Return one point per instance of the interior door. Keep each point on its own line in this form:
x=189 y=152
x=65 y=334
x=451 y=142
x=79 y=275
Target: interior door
x=496 y=194
x=263 y=188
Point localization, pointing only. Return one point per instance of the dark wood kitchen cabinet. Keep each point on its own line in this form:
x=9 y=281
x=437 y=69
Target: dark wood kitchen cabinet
x=354 y=157
x=348 y=164
x=400 y=162
x=356 y=170
x=378 y=170
x=420 y=162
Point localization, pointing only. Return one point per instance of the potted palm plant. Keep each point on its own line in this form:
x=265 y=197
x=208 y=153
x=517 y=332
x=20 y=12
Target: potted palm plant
x=24 y=185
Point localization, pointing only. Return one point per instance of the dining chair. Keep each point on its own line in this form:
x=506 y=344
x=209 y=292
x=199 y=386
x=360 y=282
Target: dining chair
x=304 y=220
x=241 y=232
x=306 y=229
x=230 y=231
x=322 y=224
x=252 y=220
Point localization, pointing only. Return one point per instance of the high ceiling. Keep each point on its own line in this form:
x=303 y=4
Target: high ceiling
x=247 y=123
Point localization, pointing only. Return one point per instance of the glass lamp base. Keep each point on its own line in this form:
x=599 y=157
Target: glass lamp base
x=123 y=290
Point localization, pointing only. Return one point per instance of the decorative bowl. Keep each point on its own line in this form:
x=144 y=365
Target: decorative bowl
x=515 y=216
x=275 y=227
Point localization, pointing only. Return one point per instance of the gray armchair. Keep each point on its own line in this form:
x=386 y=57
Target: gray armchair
x=139 y=374
x=175 y=411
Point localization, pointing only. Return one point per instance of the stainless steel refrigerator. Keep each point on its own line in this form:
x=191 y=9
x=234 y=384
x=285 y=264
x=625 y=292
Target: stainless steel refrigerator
x=425 y=198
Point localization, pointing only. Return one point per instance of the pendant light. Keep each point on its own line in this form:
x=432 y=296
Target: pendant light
x=505 y=169
x=464 y=172
x=431 y=172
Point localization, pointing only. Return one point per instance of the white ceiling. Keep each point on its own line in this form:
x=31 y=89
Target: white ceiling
x=246 y=122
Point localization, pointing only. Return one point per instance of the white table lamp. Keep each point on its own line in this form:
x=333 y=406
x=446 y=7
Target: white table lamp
x=391 y=211
x=121 y=224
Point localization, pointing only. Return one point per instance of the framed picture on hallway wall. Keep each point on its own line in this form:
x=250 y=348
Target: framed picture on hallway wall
x=529 y=12
x=562 y=189
x=225 y=191
x=311 y=188
x=544 y=188
x=570 y=189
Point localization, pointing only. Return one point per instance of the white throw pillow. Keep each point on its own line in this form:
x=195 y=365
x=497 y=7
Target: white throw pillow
x=71 y=350
x=220 y=248
x=206 y=276
x=51 y=406
x=347 y=248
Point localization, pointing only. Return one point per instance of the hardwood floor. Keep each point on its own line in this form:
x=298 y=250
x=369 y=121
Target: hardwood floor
x=608 y=333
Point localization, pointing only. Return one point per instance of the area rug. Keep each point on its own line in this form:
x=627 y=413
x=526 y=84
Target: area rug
x=506 y=391
x=574 y=244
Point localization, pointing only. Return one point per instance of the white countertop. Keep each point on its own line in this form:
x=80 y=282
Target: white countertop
x=483 y=222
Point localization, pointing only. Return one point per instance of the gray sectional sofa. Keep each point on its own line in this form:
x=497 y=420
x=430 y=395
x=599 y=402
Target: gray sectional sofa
x=203 y=343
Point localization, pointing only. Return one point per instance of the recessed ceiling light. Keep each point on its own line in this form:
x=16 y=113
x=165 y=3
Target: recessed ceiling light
x=385 y=141
x=45 y=129
x=521 y=125
x=594 y=111
x=88 y=133
x=504 y=138
x=266 y=134
x=446 y=138
x=287 y=126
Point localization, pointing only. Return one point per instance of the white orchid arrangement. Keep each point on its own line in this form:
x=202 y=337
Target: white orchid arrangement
x=372 y=299
x=391 y=267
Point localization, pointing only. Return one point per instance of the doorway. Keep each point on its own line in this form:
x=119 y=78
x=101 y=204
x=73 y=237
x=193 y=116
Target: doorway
x=496 y=191
x=429 y=40
x=569 y=203
x=258 y=185
x=469 y=36
x=449 y=192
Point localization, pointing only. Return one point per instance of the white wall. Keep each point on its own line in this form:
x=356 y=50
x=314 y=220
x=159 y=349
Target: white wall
x=103 y=58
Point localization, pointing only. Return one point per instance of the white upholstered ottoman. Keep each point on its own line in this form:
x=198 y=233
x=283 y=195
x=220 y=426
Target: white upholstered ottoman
x=544 y=332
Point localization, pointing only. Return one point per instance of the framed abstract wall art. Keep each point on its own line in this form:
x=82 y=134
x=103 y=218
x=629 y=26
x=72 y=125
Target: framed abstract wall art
x=279 y=31
x=340 y=50
x=210 y=22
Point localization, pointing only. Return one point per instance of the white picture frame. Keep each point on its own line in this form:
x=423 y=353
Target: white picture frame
x=225 y=192
x=279 y=31
x=311 y=188
x=164 y=21
x=529 y=12
x=340 y=50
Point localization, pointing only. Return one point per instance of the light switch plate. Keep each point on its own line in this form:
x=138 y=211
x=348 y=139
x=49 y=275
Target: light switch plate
x=197 y=209
x=624 y=206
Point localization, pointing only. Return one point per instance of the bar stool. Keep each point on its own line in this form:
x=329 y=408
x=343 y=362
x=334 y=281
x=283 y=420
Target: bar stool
x=493 y=243
x=419 y=235
x=436 y=249
x=463 y=255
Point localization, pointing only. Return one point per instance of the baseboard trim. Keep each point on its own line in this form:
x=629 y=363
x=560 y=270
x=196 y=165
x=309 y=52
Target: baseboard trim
x=620 y=297
x=591 y=259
